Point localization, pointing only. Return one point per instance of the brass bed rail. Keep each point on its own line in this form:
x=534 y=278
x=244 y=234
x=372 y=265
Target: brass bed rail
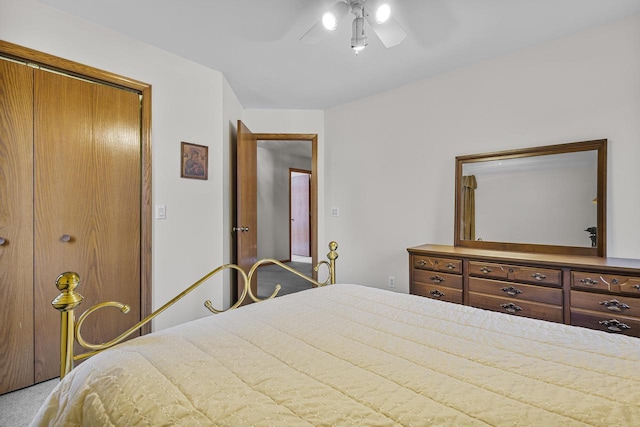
x=69 y=299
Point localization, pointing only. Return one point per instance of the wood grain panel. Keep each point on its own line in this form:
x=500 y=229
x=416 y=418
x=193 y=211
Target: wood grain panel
x=438 y=292
x=16 y=226
x=438 y=278
x=87 y=186
x=438 y=264
x=606 y=303
x=247 y=202
x=515 y=291
x=535 y=310
x=615 y=324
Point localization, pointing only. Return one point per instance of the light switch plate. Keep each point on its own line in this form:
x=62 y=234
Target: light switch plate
x=161 y=212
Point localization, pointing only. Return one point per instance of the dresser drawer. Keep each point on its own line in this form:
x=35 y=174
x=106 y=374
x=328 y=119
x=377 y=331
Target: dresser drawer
x=436 y=278
x=441 y=293
x=516 y=290
x=517 y=307
x=606 y=282
x=450 y=265
x=545 y=276
x=612 y=304
x=590 y=280
x=606 y=322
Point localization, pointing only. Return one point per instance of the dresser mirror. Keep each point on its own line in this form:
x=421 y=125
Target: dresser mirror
x=549 y=199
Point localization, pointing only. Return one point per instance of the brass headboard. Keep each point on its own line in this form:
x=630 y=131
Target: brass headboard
x=69 y=299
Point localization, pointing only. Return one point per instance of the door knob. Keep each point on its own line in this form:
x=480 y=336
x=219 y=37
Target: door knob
x=2 y=241
x=241 y=229
x=65 y=238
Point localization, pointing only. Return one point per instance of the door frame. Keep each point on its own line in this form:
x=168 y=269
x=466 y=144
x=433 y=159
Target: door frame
x=36 y=58
x=313 y=138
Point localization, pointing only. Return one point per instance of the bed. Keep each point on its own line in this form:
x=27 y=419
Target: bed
x=347 y=354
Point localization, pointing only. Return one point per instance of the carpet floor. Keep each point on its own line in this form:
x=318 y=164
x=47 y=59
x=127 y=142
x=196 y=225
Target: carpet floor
x=19 y=407
x=271 y=275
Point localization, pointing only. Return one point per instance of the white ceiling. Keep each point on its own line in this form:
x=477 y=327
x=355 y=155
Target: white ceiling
x=255 y=43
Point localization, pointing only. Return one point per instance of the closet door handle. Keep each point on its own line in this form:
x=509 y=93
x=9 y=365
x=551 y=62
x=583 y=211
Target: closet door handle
x=65 y=238
x=2 y=241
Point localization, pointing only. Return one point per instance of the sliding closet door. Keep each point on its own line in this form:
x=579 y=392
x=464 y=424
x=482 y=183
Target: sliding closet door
x=87 y=206
x=16 y=226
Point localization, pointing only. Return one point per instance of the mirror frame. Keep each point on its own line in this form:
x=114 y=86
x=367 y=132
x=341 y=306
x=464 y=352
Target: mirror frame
x=600 y=250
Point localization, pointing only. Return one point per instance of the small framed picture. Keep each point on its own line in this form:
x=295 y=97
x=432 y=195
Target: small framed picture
x=195 y=161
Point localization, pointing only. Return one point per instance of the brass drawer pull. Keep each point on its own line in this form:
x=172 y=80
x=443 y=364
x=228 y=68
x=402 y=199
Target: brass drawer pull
x=451 y=266
x=512 y=291
x=436 y=279
x=615 y=305
x=636 y=287
x=588 y=281
x=538 y=276
x=422 y=262
x=511 y=307
x=486 y=270
x=436 y=293
x=614 y=325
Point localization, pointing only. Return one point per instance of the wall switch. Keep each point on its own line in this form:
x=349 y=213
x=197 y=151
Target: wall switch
x=335 y=211
x=161 y=212
x=392 y=282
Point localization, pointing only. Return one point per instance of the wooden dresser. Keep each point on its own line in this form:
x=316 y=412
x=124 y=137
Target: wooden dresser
x=593 y=292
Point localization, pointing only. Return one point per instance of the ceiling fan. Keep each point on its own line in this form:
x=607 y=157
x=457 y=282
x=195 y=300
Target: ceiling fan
x=377 y=13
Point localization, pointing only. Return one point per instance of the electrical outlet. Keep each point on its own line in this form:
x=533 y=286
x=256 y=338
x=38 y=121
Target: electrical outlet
x=392 y=282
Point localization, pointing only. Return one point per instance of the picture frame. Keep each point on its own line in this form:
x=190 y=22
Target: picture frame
x=194 y=161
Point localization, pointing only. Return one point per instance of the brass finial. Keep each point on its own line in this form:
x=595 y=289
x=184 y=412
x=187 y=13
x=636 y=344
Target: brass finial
x=69 y=298
x=332 y=255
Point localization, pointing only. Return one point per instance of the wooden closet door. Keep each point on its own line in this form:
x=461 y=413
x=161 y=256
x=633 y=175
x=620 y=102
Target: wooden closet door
x=87 y=146
x=16 y=226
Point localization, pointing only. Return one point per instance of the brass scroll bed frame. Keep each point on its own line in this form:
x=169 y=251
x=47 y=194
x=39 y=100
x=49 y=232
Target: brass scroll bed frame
x=69 y=299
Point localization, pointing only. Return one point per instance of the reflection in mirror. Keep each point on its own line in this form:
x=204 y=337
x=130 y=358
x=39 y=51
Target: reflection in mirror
x=545 y=199
x=550 y=198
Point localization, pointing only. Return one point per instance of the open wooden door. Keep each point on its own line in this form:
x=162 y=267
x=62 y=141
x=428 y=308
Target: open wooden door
x=246 y=228
x=300 y=212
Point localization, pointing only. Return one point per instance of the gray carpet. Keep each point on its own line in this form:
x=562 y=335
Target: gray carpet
x=19 y=407
x=271 y=275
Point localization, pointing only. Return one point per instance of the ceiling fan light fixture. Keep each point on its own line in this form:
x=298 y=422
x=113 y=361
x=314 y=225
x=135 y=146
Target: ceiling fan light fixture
x=383 y=13
x=358 y=38
x=330 y=21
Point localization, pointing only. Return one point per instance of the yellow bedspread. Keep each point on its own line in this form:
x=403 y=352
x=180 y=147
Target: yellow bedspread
x=354 y=355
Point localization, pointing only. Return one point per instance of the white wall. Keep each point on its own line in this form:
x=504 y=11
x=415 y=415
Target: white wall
x=187 y=106
x=390 y=158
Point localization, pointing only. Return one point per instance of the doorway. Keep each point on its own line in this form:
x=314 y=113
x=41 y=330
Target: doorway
x=247 y=212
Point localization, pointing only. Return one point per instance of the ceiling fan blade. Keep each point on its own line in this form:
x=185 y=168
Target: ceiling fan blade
x=318 y=31
x=315 y=34
x=390 y=33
